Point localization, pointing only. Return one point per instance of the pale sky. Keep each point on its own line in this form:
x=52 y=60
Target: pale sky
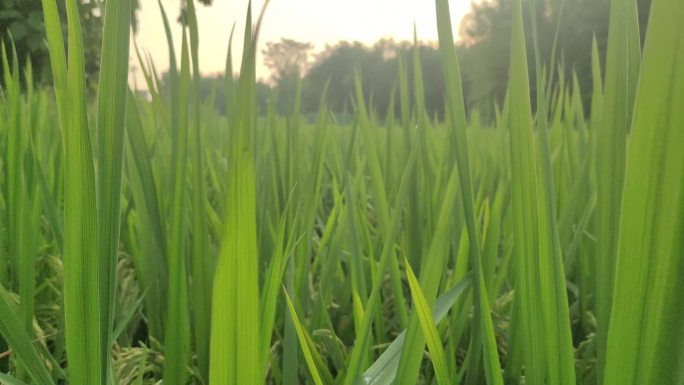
x=315 y=21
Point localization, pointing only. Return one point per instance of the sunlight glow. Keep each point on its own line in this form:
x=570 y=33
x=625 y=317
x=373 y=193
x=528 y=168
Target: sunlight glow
x=318 y=22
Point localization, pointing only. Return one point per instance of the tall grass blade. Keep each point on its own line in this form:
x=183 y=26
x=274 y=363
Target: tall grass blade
x=482 y=327
x=551 y=262
x=644 y=344
x=58 y=61
x=201 y=267
x=111 y=118
x=540 y=288
x=621 y=74
x=151 y=264
x=273 y=283
x=177 y=326
x=235 y=336
x=82 y=300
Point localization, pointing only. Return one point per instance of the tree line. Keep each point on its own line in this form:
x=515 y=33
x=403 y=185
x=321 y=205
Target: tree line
x=565 y=30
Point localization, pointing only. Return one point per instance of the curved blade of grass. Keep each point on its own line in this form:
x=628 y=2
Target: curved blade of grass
x=427 y=324
x=384 y=369
x=430 y=276
x=127 y=316
x=19 y=340
x=303 y=342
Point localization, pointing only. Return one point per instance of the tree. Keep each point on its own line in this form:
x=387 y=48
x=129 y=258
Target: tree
x=336 y=66
x=288 y=60
x=485 y=47
x=378 y=66
x=21 y=22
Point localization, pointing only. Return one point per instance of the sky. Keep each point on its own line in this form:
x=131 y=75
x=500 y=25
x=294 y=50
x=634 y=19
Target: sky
x=315 y=21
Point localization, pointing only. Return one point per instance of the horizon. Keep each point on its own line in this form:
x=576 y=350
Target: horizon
x=301 y=20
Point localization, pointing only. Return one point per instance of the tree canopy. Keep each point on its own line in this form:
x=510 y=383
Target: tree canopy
x=288 y=60
x=484 y=50
x=21 y=22
x=485 y=42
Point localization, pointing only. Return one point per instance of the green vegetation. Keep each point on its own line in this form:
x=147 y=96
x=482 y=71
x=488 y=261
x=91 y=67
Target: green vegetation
x=24 y=21
x=165 y=240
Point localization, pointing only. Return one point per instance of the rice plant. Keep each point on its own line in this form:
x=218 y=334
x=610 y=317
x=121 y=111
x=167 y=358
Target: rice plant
x=160 y=240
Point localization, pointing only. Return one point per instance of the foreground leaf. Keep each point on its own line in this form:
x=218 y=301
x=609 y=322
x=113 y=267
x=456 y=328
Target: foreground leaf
x=427 y=324
x=646 y=331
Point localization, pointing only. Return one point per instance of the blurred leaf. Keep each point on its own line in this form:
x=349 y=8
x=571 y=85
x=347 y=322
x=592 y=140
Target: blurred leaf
x=10 y=14
x=18 y=30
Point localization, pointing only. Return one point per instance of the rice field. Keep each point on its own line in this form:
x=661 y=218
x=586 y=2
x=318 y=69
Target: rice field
x=158 y=241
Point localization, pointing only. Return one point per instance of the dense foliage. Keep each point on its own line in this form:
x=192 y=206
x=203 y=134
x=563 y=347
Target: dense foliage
x=21 y=23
